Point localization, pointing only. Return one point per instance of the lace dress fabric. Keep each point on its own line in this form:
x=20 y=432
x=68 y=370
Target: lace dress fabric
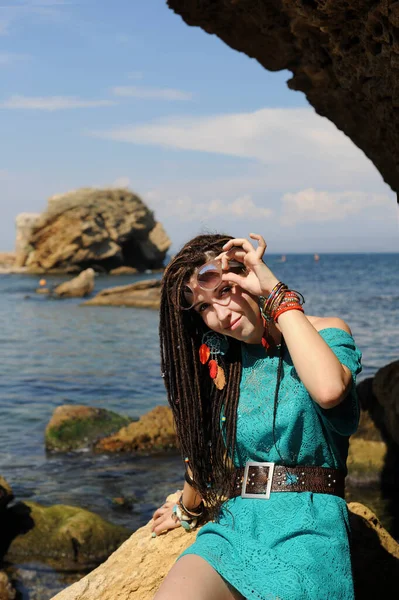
x=293 y=546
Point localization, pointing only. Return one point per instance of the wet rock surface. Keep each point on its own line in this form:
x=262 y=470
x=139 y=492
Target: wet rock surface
x=73 y=427
x=344 y=56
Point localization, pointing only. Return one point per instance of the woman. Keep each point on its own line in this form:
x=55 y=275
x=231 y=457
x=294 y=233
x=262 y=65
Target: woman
x=251 y=380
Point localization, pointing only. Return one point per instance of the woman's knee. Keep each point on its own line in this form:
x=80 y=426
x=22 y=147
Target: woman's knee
x=191 y=577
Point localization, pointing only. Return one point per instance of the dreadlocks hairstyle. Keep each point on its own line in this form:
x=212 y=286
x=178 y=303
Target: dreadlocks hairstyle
x=195 y=401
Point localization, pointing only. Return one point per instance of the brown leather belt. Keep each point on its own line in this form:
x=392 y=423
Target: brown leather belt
x=257 y=480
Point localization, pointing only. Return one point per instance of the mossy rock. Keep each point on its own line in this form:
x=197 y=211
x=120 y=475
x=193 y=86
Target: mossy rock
x=365 y=460
x=64 y=537
x=74 y=427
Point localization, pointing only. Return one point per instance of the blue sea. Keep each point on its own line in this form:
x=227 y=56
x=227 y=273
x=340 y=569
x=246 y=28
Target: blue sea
x=55 y=352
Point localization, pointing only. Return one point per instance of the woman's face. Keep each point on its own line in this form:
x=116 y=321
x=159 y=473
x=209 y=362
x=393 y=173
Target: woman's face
x=228 y=310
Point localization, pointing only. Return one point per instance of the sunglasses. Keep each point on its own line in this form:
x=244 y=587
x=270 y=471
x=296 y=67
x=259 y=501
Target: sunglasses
x=208 y=278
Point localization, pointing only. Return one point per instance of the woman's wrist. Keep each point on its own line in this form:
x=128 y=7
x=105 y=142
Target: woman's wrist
x=279 y=301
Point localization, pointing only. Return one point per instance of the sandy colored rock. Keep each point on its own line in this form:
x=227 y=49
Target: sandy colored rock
x=64 y=537
x=143 y=294
x=7 y=592
x=25 y=224
x=153 y=431
x=124 y=271
x=343 y=55
x=136 y=570
x=78 y=287
x=96 y=228
x=6 y=494
x=74 y=426
x=7 y=259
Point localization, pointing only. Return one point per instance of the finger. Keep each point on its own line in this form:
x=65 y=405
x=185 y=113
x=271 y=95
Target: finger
x=242 y=242
x=261 y=244
x=159 y=512
x=159 y=521
x=165 y=526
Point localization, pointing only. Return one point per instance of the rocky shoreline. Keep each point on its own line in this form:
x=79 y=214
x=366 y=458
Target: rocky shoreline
x=70 y=538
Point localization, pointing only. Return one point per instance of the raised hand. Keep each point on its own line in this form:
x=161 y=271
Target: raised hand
x=258 y=279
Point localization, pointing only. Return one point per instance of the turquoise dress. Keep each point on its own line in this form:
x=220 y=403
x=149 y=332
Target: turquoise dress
x=293 y=546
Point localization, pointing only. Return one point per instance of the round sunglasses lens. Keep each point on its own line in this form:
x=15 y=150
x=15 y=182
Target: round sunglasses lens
x=209 y=276
x=187 y=300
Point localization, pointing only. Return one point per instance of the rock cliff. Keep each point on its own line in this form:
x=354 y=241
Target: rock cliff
x=343 y=54
x=103 y=229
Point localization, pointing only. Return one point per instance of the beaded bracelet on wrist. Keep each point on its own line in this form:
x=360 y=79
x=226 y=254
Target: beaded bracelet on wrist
x=280 y=300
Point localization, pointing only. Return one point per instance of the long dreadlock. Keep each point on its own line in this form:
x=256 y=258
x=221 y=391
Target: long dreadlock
x=195 y=401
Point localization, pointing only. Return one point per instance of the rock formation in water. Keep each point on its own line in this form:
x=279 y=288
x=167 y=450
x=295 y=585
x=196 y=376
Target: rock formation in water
x=142 y=294
x=73 y=427
x=102 y=229
x=343 y=54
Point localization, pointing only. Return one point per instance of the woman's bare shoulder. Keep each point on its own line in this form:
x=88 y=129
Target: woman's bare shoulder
x=320 y=323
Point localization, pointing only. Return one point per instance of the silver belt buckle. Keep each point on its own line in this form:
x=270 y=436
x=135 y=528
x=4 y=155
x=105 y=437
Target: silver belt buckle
x=246 y=481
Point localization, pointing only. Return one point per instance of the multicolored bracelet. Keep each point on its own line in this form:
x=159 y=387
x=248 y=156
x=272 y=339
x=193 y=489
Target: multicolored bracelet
x=187 y=522
x=280 y=300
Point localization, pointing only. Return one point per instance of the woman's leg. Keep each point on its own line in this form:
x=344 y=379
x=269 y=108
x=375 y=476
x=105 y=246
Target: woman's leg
x=192 y=578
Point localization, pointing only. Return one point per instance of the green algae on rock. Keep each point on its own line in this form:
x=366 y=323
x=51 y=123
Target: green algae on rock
x=63 y=537
x=73 y=427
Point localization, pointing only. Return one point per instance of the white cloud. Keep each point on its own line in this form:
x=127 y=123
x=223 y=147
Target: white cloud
x=14 y=11
x=52 y=103
x=299 y=148
x=186 y=207
x=132 y=91
x=311 y=205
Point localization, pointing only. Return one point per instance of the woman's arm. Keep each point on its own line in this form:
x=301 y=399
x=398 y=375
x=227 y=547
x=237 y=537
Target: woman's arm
x=326 y=379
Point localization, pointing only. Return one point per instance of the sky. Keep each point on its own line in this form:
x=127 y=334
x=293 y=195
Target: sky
x=124 y=94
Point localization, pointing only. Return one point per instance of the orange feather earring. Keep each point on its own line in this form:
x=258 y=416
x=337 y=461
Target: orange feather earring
x=214 y=345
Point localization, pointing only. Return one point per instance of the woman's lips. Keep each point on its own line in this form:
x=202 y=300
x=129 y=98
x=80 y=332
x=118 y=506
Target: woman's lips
x=235 y=324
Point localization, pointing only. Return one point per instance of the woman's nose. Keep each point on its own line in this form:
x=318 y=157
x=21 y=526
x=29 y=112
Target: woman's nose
x=222 y=312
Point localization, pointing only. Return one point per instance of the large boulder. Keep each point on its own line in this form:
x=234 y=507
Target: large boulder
x=96 y=228
x=137 y=568
x=73 y=427
x=143 y=294
x=154 y=431
x=343 y=55
x=64 y=537
x=78 y=287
